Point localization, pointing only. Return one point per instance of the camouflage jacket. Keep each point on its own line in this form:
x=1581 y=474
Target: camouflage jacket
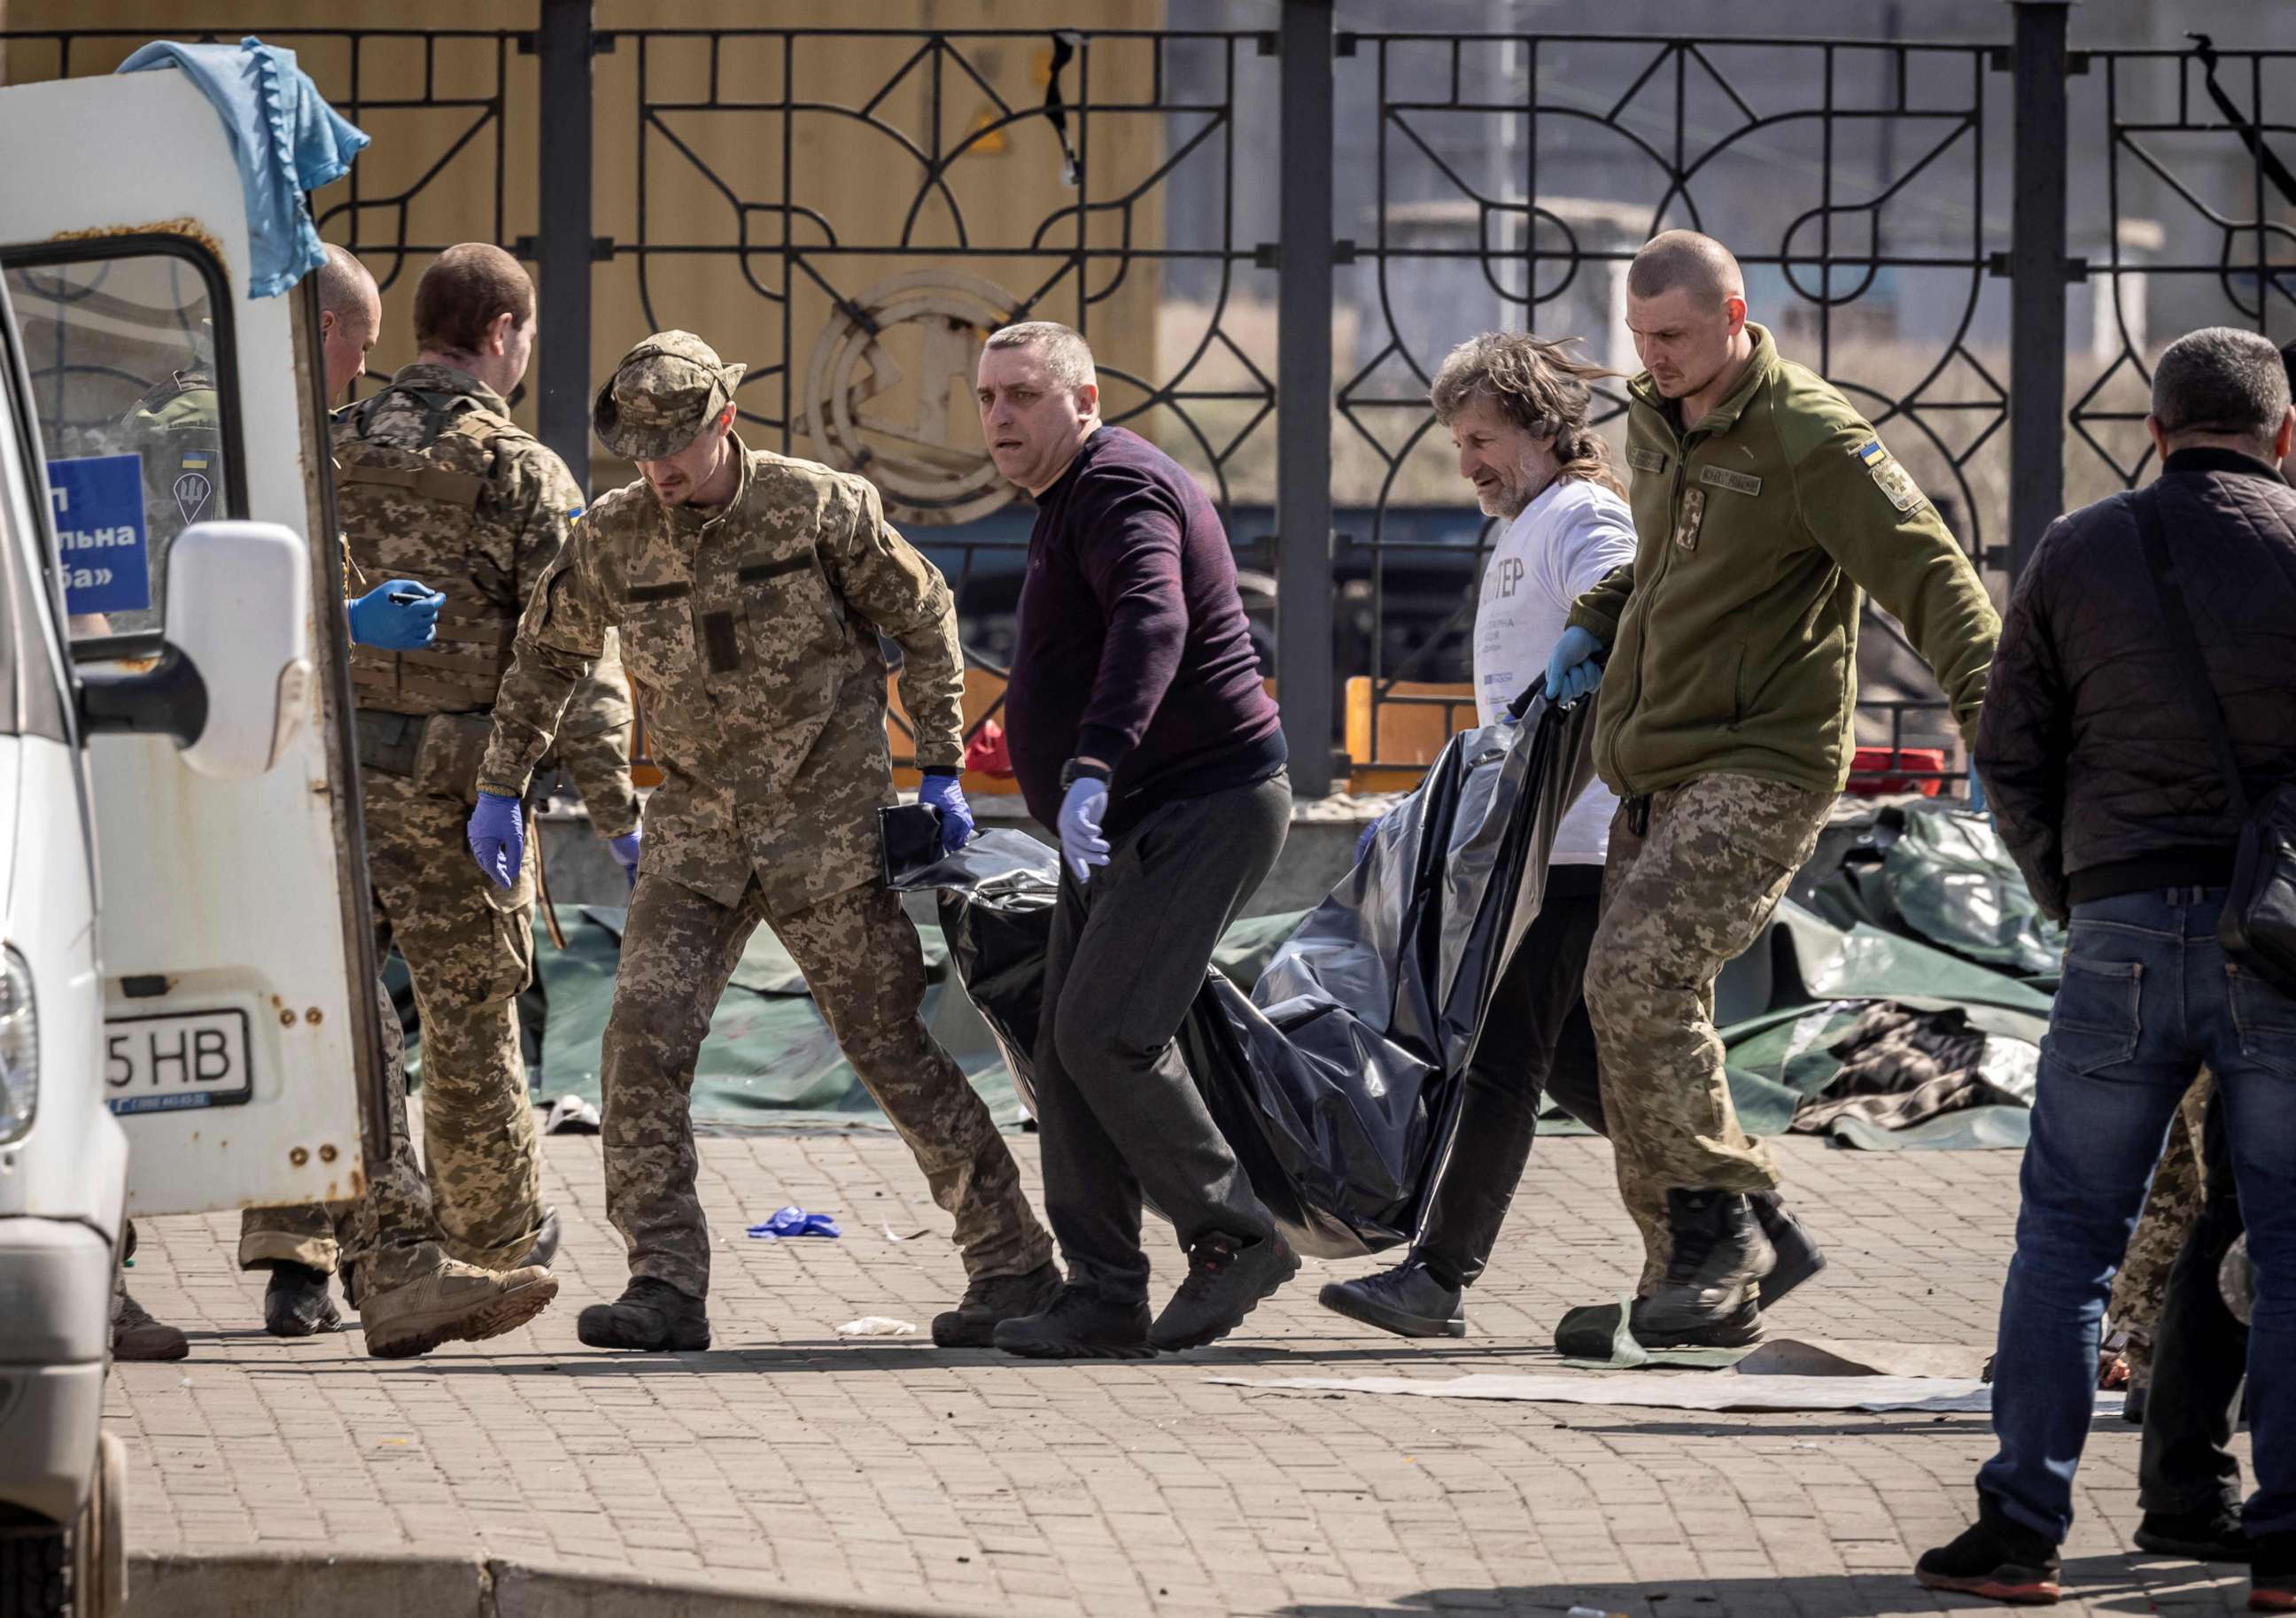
x=749 y=633
x=461 y=500
x=594 y=744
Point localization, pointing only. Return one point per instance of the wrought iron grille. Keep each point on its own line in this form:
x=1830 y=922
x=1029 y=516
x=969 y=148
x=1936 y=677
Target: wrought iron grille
x=1515 y=177
x=2200 y=225
x=1478 y=180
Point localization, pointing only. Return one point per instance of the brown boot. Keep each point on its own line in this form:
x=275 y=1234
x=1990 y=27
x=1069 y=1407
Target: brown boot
x=457 y=1303
x=137 y=1336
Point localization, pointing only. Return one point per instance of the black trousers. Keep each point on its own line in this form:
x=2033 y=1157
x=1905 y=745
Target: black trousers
x=2199 y=1355
x=1116 y=1108
x=1534 y=1042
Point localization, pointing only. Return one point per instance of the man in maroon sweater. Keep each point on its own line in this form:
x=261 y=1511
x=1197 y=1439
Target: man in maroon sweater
x=1140 y=729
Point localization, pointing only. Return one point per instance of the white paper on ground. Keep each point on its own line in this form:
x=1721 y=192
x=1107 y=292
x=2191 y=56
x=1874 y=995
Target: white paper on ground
x=877 y=1325
x=1692 y=1391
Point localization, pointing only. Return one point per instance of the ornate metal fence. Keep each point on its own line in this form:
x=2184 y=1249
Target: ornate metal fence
x=849 y=210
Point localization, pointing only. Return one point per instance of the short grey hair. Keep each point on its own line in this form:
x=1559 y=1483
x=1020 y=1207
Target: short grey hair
x=1067 y=355
x=2223 y=381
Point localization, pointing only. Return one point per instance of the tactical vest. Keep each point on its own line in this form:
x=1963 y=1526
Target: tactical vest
x=419 y=513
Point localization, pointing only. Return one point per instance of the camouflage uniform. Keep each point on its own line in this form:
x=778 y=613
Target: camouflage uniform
x=2171 y=1208
x=1680 y=902
x=750 y=633
x=437 y=484
x=1728 y=709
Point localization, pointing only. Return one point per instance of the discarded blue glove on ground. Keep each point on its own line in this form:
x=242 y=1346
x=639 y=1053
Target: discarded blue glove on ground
x=794 y=1220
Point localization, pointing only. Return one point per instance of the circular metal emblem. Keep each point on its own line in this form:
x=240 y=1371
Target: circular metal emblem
x=878 y=395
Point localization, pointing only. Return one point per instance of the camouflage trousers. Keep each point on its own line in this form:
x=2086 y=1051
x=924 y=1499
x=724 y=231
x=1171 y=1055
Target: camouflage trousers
x=862 y=963
x=1680 y=902
x=2171 y=1208
x=389 y=1237
x=469 y=946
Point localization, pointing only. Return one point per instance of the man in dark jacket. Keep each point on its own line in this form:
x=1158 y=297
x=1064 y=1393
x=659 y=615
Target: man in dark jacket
x=2106 y=788
x=1140 y=729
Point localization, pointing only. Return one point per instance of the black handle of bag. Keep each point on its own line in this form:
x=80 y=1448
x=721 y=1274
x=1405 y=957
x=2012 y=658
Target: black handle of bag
x=2199 y=691
x=1537 y=689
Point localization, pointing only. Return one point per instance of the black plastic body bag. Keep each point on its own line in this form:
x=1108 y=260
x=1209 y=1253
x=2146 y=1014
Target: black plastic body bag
x=1335 y=1081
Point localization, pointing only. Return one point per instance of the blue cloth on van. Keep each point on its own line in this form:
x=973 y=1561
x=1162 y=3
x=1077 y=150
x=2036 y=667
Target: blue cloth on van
x=286 y=137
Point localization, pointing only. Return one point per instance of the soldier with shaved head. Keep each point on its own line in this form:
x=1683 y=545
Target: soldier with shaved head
x=1765 y=508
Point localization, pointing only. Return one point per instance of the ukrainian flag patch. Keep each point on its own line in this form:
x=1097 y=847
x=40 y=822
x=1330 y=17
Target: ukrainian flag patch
x=1869 y=453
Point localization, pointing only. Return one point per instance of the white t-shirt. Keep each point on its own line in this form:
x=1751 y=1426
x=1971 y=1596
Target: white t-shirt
x=1564 y=544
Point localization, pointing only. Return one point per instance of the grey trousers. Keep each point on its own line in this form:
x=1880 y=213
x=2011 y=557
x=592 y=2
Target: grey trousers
x=1118 y=1112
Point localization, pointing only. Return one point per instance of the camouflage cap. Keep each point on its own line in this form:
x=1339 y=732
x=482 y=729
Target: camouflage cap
x=661 y=396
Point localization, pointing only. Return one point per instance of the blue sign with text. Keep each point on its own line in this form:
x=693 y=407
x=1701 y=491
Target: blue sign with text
x=99 y=507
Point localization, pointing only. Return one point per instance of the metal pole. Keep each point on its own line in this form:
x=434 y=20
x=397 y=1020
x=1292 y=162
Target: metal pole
x=565 y=43
x=1303 y=394
x=2038 y=270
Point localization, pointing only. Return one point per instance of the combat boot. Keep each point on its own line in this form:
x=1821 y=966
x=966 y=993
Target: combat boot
x=1407 y=1300
x=1719 y=1258
x=295 y=1304
x=457 y=1303
x=650 y=1315
x=137 y=1336
x=990 y=1299
x=1798 y=1255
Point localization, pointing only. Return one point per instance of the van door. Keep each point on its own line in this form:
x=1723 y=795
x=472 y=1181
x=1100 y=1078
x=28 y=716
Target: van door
x=233 y=921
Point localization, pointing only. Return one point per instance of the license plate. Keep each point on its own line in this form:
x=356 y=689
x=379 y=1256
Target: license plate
x=164 y=1064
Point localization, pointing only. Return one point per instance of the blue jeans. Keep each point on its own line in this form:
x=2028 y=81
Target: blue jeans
x=2148 y=998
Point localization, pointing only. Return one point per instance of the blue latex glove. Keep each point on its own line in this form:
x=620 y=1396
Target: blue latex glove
x=626 y=852
x=1977 y=803
x=406 y=624
x=497 y=838
x=1571 y=671
x=794 y=1220
x=946 y=793
x=1081 y=813
x=1364 y=843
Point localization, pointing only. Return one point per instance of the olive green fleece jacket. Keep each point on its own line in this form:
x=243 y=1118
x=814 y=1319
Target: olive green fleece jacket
x=1733 y=634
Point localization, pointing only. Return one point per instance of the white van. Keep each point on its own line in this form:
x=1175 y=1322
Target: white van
x=187 y=1007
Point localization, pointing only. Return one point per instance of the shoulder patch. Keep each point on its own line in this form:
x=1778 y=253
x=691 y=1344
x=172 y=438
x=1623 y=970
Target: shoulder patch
x=1646 y=459
x=1723 y=478
x=1869 y=453
x=1897 y=484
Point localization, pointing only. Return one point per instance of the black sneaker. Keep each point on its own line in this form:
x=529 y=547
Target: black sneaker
x=1997 y=1558
x=1719 y=1258
x=2272 y=1573
x=990 y=1299
x=1406 y=1300
x=297 y=1303
x=2198 y=1536
x=1078 y=1325
x=546 y=1243
x=1798 y=1255
x=1226 y=1282
x=650 y=1315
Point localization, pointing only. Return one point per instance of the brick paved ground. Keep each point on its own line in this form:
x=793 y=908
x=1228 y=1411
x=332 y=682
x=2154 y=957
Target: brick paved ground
x=896 y=1472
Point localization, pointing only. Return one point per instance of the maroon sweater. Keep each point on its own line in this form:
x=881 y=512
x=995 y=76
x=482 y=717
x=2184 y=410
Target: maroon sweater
x=1131 y=646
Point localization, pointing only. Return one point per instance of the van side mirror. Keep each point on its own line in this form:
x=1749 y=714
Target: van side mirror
x=232 y=682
